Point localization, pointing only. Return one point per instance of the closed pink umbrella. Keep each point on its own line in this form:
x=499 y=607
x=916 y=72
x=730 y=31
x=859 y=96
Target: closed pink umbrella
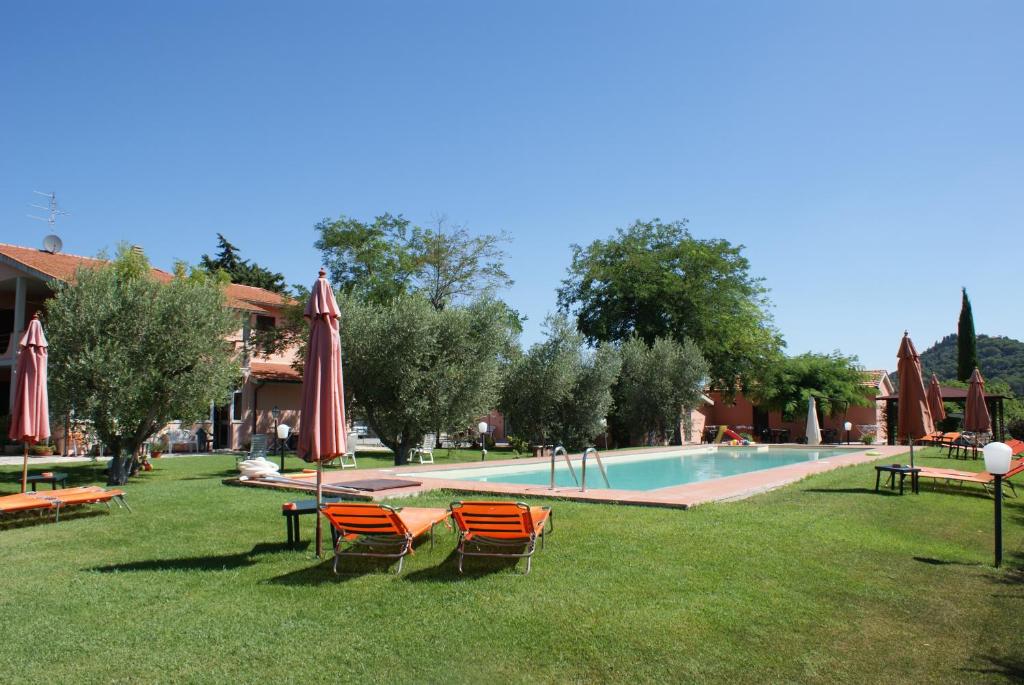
x=30 y=413
x=322 y=436
x=976 y=416
x=915 y=419
x=935 y=404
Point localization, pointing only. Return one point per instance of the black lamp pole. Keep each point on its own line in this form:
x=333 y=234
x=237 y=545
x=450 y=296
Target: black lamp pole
x=276 y=413
x=999 y=519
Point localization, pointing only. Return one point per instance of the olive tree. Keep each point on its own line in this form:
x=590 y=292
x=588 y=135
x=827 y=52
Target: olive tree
x=413 y=369
x=130 y=353
x=559 y=389
x=658 y=382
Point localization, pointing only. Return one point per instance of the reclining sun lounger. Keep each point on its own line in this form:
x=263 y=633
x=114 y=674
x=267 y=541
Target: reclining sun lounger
x=983 y=478
x=58 y=499
x=511 y=525
x=25 y=501
x=375 y=525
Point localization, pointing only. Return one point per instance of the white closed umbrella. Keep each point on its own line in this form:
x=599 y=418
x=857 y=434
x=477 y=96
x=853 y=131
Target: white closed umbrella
x=813 y=430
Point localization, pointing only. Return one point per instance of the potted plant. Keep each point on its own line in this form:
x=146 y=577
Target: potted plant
x=41 y=450
x=159 y=447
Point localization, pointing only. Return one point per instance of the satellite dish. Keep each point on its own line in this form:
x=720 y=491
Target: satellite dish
x=52 y=244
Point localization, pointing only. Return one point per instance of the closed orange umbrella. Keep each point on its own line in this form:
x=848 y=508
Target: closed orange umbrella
x=30 y=413
x=976 y=416
x=935 y=405
x=322 y=436
x=915 y=419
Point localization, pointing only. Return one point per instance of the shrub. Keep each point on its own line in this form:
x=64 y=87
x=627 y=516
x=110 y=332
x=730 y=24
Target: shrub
x=868 y=438
x=519 y=445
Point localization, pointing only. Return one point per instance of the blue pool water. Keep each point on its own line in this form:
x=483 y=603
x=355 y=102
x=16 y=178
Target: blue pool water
x=646 y=472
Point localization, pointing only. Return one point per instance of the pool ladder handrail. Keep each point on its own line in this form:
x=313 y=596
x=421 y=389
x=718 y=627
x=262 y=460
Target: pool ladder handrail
x=554 y=456
x=600 y=464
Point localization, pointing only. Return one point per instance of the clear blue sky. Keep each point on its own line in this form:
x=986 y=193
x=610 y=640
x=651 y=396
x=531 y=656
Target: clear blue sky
x=869 y=155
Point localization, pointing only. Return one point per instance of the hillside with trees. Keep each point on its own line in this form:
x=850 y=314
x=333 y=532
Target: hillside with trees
x=1000 y=359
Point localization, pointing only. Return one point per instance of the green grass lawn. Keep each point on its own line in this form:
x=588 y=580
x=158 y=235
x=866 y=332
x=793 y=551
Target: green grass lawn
x=823 y=581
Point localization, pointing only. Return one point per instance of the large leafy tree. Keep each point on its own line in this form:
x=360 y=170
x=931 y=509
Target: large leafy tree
x=656 y=383
x=389 y=257
x=835 y=381
x=413 y=369
x=130 y=353
x=966 y=341
x=240 y=270
x=654 y=279
x=559 y=390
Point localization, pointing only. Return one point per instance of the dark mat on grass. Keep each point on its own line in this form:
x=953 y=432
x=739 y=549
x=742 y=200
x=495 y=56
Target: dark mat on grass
x=374 y=484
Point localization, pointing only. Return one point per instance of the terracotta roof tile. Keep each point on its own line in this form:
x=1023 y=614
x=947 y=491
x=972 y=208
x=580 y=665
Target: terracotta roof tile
x=62 y=267
x=274 y=371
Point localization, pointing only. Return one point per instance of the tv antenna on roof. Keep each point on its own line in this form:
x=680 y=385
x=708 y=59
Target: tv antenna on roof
x=52 y=209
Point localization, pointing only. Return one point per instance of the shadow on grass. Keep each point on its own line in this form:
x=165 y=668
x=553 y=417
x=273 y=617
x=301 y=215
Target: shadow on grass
x=1011 y=668
x=444 y=571
x=221 y=562
x=851 y=491
x=945 y=562
x=349 y=568
x=473 y=567
x=31 y=519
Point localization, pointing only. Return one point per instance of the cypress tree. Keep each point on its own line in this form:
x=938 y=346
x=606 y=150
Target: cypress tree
x=966 y=341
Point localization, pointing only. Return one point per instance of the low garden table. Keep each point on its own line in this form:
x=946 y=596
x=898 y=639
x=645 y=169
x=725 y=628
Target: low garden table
x=901 y=471
x=293 y=510
x=52 y=478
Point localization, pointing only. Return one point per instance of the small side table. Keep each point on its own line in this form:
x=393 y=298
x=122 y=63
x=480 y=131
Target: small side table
x=902 y=472
x=53 y=479
x=293 y=510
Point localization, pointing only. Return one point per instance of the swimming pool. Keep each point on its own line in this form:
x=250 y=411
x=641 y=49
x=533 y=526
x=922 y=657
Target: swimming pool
x=644 y=471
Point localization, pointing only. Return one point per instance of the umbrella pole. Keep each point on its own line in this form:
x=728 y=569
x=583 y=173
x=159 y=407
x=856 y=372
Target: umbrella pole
x=911 y=441
x=319 y=519
x=24 y=471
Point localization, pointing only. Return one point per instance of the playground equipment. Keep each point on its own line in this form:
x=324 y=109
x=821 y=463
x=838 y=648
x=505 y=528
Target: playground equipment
x=734 y=437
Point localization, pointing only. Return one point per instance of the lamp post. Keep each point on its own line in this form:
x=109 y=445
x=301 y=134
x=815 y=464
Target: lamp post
x=275 y=413
x=482 y=429
x=847 y=426
x=997 y=462
x=283 y=431
x=604 y=429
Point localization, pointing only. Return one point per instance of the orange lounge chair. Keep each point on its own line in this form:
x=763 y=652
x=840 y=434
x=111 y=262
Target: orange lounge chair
x=983 y=478
x=58 y=499
x=500 y=524
x=89 y=494
x=374 y=525
x=1016 y=445
x=25 y=501
x=935 y=438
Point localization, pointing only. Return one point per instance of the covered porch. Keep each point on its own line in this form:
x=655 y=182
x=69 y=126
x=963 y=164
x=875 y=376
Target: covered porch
x=957 y=396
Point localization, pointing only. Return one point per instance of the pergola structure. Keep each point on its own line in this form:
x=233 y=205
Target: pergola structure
x=956 y=396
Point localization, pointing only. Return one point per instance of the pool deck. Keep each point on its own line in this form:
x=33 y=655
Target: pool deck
x=678 y=496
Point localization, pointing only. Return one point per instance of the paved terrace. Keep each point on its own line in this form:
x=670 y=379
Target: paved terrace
x=678 y=496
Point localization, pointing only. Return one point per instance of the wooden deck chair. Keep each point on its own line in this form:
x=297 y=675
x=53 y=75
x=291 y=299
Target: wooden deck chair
x=512 y=526
x=425 y=452
x=374 y=526
x=982 y=478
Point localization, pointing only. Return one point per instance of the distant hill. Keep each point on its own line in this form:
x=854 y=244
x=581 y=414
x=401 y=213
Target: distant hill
x=1000 y=358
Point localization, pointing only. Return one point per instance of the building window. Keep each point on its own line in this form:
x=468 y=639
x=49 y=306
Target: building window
x=264 y=323
x=236 y=406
